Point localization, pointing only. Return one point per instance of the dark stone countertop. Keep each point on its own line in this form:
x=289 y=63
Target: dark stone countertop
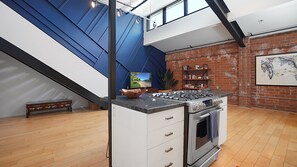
x=222 y=94
x=146 y=103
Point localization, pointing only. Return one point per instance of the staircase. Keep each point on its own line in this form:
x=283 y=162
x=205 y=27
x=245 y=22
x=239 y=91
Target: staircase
x=72 y=38
x=25 y=42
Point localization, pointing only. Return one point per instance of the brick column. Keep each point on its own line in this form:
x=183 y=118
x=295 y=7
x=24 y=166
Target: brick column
x=244 y=68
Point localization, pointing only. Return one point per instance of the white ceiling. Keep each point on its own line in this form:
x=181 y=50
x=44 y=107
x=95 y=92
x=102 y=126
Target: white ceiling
x=253 y=16
x=275 y=18
x=150 y=6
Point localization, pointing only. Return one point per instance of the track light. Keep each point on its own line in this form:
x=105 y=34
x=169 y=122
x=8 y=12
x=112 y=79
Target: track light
x=94 y=3
x=120 y=12
x=138 y=19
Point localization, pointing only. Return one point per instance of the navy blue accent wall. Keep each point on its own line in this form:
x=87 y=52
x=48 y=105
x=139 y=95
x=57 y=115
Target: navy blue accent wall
x=84 y=31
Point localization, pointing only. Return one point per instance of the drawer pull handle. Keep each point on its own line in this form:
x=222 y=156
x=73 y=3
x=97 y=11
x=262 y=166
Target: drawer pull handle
x=170 y=149
x=169 y=118
x=170 y=164
x=169 y=134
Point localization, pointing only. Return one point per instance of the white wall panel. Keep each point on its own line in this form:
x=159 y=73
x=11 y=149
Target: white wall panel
x=35 y=42
x=20 y=84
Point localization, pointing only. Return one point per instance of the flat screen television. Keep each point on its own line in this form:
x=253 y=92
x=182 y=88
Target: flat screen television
x=140 y=80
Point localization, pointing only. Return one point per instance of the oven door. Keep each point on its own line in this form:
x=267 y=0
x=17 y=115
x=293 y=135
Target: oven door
x=200 y=143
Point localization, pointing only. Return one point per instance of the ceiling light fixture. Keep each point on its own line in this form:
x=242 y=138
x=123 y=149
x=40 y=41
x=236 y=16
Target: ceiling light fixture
x=138 y=19
x=94 y=3
x=120 y=12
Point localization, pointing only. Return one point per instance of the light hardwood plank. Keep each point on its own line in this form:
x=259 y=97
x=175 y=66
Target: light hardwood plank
x=256 y=137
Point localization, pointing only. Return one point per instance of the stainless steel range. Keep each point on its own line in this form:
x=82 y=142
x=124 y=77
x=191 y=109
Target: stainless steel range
x=203 y=124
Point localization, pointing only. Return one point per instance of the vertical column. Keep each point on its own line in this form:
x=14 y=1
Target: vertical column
x=111 y=69
x=245 y=75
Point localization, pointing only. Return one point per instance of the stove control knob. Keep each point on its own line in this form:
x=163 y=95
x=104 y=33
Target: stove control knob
x=202 y=106
x=195 y=107
x=216 y=102
x=198 y=106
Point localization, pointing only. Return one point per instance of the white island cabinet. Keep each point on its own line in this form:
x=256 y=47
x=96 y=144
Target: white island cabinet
x=147 y=140
x=223 y=121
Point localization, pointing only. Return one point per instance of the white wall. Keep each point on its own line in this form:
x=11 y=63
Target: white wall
x=23 y=34
x=198 y=20
x=20 y=84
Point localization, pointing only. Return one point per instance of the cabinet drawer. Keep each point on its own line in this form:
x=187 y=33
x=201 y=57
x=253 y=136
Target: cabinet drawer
x=168 y=153
x=165 y=118
x=165 y=134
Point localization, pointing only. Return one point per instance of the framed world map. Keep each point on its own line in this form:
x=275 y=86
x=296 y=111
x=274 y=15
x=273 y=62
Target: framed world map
x=277 y=69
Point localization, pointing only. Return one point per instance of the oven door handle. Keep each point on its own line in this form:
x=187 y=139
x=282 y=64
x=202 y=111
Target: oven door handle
x=206 y=115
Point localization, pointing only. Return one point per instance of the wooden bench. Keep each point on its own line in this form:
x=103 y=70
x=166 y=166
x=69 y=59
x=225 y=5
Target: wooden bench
x=47 y=105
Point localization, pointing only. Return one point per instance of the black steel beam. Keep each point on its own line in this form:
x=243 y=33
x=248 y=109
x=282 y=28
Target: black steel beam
x=125 y=4
x=138 y=5
x=223 y=6
x=238 y=29
x=111 y=69
x=49 y=72
x=185 y=7
x=220 y=12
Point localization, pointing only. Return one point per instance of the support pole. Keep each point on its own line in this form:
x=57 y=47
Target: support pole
x=111 y=69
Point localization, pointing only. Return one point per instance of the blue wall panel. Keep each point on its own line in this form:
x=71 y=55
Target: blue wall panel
x=84 y=31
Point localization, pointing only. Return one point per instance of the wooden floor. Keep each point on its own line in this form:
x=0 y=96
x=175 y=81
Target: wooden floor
x=256 y=137
x=61 y=139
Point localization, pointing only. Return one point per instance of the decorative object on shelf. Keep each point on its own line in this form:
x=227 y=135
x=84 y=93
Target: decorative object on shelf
x=205 y=66
x=278 y=69
x=198 y=67
x=167 y=80
x=133 y=93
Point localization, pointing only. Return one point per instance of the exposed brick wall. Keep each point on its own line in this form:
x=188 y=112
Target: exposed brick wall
x=222 y=61
x=232 y=69
x=275 y=97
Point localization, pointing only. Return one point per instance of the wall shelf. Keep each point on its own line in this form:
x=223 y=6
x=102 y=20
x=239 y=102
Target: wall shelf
x=190 y=79
x=203 y=69
x=196 y=79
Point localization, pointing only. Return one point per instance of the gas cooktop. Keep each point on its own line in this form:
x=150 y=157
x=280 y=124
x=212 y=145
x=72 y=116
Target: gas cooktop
x=185 y=95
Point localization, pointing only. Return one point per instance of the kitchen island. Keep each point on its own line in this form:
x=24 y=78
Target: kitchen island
x=149 y=131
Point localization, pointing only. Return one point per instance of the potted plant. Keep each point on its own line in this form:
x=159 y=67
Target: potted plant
x=167 y=81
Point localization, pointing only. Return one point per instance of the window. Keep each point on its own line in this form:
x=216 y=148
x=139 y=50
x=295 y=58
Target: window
x=194 y=5
x=158 y=18
x=175 y=11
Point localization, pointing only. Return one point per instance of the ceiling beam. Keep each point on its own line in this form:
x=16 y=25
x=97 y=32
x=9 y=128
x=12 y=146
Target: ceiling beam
x=221 y=10
x=138 y=5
